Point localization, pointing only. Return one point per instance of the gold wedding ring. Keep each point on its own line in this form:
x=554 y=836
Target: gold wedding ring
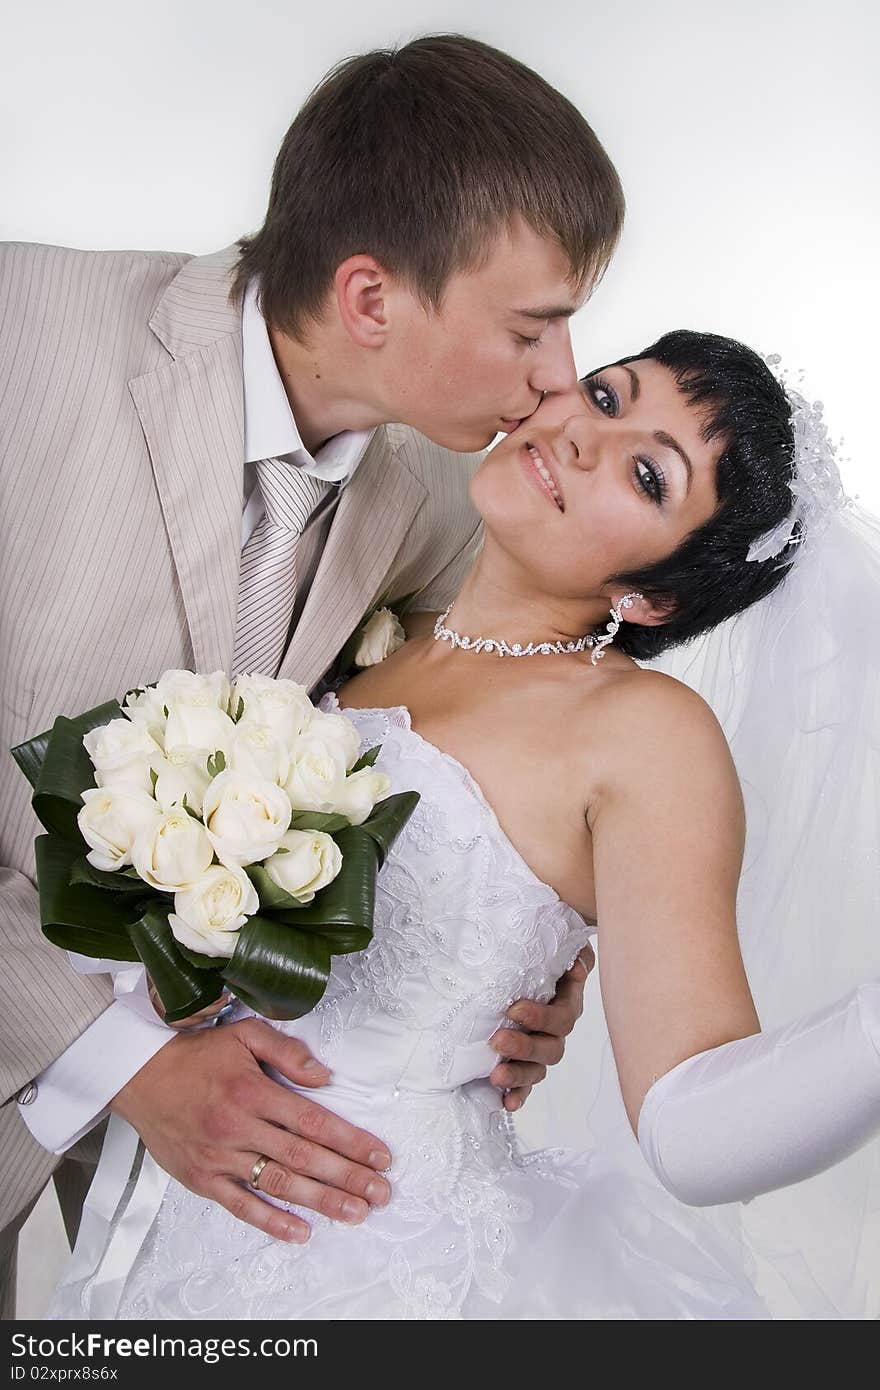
x=254 y=1179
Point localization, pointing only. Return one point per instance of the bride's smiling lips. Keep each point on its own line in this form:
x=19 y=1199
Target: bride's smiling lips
x=542 y=471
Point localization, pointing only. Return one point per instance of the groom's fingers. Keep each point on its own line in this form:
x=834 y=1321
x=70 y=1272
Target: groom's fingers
x=245 y=1206
x=290 y=1056
x=559 y=1016
x=543 y=1048
x=295 y=1115
x=294 y=1155
x=284 y=1186
x=511 y=1076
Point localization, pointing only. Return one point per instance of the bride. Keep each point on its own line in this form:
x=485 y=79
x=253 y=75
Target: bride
x=567 y=793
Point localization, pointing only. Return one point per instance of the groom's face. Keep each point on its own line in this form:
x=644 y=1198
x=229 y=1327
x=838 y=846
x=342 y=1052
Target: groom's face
x=480 y=363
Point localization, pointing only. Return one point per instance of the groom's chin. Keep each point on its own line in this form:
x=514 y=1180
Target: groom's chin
x=466 y=440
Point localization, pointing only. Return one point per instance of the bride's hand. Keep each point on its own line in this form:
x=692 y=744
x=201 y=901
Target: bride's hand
x=541 y=1041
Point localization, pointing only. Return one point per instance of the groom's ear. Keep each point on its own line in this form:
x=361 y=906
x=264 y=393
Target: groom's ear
x=362 y=286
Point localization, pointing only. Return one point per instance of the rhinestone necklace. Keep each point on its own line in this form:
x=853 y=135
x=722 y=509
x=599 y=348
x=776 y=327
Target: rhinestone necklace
x=501 y=648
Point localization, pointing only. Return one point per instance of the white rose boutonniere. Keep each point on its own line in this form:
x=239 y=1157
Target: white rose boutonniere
x=381 y=635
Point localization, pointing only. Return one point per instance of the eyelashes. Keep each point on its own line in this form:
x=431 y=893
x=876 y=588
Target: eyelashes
x=596 y=387
x=648 y=476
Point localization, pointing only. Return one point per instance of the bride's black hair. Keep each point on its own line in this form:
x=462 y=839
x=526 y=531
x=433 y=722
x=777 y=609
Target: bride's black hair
x=708 y=577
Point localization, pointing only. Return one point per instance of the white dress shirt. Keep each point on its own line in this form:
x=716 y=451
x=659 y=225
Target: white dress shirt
x=73 y=1093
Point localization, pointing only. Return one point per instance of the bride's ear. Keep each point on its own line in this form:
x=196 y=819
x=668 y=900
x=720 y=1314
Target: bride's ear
x=647 y=612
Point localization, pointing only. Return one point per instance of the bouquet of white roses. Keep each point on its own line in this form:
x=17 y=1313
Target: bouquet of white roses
x=227 y=836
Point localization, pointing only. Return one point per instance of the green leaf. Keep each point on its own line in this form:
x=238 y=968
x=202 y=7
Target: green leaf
x=216 y=763
x=62 y=769
x=318 y=820
x=30 y=755
x=272 y=898
x=182 y=987
x=236 y=718
x=366 y=760
x=154 y=777
x=388 y=819
x=197 y=959
x=115 y=881
x=81 y=917
x=189 y=810
x=276 y=970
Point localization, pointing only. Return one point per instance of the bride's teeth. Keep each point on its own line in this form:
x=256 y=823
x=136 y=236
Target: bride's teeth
x=545 y=473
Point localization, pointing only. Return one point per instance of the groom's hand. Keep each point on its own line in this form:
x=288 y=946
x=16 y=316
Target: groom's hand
x=207 y=1111
x=541 y=1041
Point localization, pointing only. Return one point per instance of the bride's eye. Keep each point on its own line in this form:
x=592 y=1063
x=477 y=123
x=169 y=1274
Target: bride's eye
x=649 y=478
x=603 y=396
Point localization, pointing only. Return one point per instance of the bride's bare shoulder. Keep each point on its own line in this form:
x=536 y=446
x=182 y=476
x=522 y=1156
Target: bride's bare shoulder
x=643 y=718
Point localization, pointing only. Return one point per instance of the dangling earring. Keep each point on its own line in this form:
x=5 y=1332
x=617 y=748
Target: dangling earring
x=611 y=631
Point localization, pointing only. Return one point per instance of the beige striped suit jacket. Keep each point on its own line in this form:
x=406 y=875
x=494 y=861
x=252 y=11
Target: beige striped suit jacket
x=121 y=468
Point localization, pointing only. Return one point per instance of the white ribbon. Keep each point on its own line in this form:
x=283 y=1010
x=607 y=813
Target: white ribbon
x=104 y=1253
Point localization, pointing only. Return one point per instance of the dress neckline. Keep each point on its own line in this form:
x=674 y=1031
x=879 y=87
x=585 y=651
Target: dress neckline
x=472 y=786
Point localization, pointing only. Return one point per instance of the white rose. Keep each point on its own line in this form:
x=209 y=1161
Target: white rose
x=145 y=709
x=381 y=636
x=122 y=753
x=279 y=705
x=198 y=723
x=193 y=689
x=111 y=820
x=338 y=733
x=360 y=792
x=313 y=860
x=317 y=774
x=245 y=817
x=257 y=752
x=173 y=853
x=208 y=916
x=182 y=773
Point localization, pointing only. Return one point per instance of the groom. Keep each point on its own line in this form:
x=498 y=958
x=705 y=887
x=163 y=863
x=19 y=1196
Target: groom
x=436 y=216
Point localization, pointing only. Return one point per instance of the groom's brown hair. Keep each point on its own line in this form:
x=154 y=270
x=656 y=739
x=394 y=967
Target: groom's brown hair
x=420 y=157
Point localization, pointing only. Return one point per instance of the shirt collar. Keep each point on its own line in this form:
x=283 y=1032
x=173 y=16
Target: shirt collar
x=270 y=430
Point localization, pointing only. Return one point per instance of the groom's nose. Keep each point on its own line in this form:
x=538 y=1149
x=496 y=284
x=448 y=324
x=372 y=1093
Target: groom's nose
x=554 y=368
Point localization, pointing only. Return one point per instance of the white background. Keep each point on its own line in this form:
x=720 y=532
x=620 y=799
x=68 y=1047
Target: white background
x=746 y=137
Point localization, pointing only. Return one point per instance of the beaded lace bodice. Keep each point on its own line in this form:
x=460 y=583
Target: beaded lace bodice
x=463 y=927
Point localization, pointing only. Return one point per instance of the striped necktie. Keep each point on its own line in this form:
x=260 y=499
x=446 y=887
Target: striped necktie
x=267 y=583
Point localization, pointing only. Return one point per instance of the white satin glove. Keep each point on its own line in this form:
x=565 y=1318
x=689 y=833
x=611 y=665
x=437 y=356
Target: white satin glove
x=769 y=1110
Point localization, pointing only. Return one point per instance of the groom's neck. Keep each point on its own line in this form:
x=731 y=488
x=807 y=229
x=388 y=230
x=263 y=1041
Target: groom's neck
x=328 y=384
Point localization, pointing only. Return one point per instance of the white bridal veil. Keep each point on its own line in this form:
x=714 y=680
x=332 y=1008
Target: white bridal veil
x=795 y=683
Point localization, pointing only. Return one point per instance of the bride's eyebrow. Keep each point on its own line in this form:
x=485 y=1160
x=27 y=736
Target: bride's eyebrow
x=635 y=386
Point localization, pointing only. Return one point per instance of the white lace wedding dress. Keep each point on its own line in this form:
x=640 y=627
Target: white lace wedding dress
x=476 y=1228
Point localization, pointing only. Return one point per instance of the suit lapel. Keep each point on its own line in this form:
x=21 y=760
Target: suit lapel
x=370 y=525
x=192 y=414
x=191 y=411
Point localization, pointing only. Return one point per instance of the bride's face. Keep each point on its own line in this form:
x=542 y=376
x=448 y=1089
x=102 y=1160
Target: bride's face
x=629 y=478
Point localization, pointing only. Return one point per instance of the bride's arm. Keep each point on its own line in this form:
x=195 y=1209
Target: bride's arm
x=667 y=823
x=722 y=1112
